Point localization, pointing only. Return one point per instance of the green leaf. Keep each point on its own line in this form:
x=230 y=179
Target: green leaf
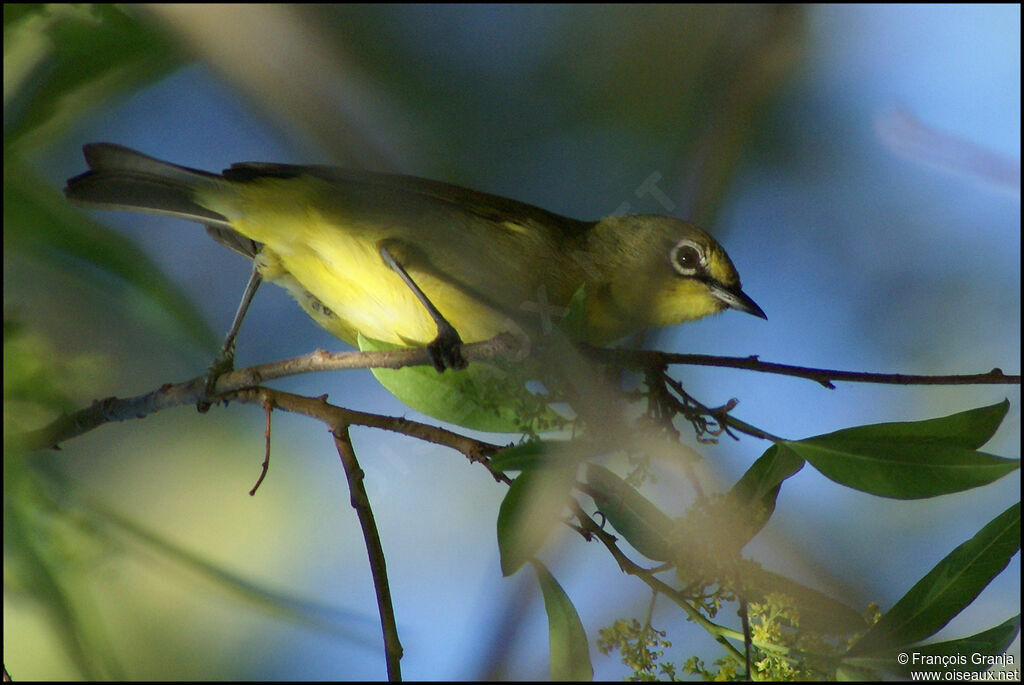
x=645 y=526
x=913 y=459
x=819 y=613
x=758 y=489
x=570 y=653
x=948 y=588
x=529 y=455
x=761 y=481
x=993 y=641
x=537 y=454
x=481 y=397
x=988 y=643
x=968 y=429
x=902 y=470
x=530 y=510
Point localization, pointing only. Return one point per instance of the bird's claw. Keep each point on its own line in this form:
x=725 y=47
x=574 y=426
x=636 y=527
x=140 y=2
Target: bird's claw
x=446 y=349
x=219 y=367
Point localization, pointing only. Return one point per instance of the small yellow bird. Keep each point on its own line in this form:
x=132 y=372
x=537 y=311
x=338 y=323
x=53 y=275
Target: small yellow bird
x=369 y=254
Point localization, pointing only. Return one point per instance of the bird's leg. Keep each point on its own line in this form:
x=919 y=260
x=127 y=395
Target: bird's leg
x=445 y=350
x=225 y=360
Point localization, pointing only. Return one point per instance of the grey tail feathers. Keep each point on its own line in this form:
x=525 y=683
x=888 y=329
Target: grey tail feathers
x=121 y=178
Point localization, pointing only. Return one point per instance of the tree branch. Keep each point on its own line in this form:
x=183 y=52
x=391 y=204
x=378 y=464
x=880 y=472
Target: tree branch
x=378 y=566
x=639 y=359
x=503 y=346
x=190 y=392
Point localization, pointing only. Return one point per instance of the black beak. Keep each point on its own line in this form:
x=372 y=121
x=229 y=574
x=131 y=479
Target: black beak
x=734 y=298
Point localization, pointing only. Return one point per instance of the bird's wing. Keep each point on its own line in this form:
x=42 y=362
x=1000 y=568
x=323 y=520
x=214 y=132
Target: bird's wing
x=486 y=250
x=492 y=208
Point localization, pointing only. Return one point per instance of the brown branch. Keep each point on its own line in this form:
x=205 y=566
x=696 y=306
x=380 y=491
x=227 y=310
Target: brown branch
x=503 y=346
x=721 y=414
x=339 y=420
x=639 y=359
x=332 y=415
x=265 y=466
x=378 y=567
x=113 y=409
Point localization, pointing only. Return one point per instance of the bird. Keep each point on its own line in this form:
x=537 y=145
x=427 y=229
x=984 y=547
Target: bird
x=408 y=261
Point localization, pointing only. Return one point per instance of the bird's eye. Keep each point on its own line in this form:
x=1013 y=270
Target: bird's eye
x=687 y=257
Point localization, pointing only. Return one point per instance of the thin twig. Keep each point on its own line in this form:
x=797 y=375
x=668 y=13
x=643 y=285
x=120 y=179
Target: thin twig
x=629 y=567
x=721 y=414
x=745 y=621
x=654 y=358
x=332 y=415
x=378 y=567
x=265 y=466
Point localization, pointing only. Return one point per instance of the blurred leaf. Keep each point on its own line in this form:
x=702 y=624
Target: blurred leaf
x=39 y=382
x=819 y=613
x=44 y=549
x=647 y=528
x=992 y=642
x=481 y=396
x=529 y=511
x=40 y=222
x=61 y=59
x=570 y=652
x=574 y=322
x=52 y=537
x=742 y=90
x=340 y=624
x=910 y=460
x=849 y=673
x=948 y=588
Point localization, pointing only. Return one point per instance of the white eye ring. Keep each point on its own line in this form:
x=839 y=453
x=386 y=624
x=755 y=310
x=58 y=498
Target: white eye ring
x=692 y=260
